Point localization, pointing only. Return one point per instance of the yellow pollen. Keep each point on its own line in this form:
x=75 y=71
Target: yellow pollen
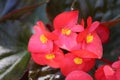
x=78 y=60
x=50 y=56
x=66 y=31
x=89 y=38
x=43 y=39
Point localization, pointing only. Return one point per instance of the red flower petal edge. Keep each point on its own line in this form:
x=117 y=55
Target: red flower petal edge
x=103 y=32
x=78 y=75
x=64 y=18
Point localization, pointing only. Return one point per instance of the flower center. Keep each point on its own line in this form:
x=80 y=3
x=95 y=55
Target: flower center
x=43 y=39
x=89 y=38
x=66 y=31
x=78 y=60
x=50 y=56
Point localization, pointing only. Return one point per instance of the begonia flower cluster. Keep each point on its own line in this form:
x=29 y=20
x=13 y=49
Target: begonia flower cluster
x=72 y=46
x=108 y=72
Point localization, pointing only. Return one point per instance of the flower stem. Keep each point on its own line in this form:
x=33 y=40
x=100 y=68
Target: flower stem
x=111 y=23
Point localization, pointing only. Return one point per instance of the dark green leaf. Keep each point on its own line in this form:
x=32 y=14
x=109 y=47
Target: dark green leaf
x=19 y=12
x=14 y=66
x=14 y=58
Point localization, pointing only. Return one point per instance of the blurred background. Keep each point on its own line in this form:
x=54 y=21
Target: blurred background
x=17 y=17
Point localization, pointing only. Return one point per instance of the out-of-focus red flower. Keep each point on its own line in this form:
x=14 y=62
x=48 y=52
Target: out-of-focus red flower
x=91 y=46
x=51 y=59
x=108 y=72
x=78 y=75
x=41 y=41
x=72 y=62
x=116 y=64
x=103 y=33
x=66 y=25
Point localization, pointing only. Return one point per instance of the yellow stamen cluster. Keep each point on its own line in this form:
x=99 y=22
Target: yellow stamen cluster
x=89 y=38
x=78 y=60
x=43 y=39
x=66 y=31
x=50 y=56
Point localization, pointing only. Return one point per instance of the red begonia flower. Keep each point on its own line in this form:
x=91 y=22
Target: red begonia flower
x=108 y=72
x=78 y=75
x=66 y=26
x=51 y=59
x=72 y=62
x=89 y=41
x=105 y=73
x=116 y=64
x=41 y=41
x=103 y=32
x=67 y=20
x=67 y=42
x=99 y=74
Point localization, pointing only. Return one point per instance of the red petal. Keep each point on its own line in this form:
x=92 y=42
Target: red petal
x=116 y=65
x=103 y=33
x=37 y=30
x=99 y=74
x=95 y=46
x=38 y=58
x=55 y=63
x=64 y=18
x=108 y=71
x=117 y=74
x=93 y=26
x=78 y=75
x=41 y=25
x=68 y=65
x=89 y=21
x=82 y=35
x=35 y=45
x=67 y=42
x=49 y=35
x=84 y=53
x=77 y=28
x=82 y=23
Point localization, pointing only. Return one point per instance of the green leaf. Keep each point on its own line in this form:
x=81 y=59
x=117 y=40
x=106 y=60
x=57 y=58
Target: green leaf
x=14 y=58
x=38 y=14
x=19 y=12
x=14 y=37
x=15 y=70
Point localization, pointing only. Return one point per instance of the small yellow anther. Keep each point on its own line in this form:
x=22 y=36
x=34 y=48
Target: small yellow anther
x=50 y=56
x=43 y=39
x=78 y=60
x=66 y=31
x=89 y=38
